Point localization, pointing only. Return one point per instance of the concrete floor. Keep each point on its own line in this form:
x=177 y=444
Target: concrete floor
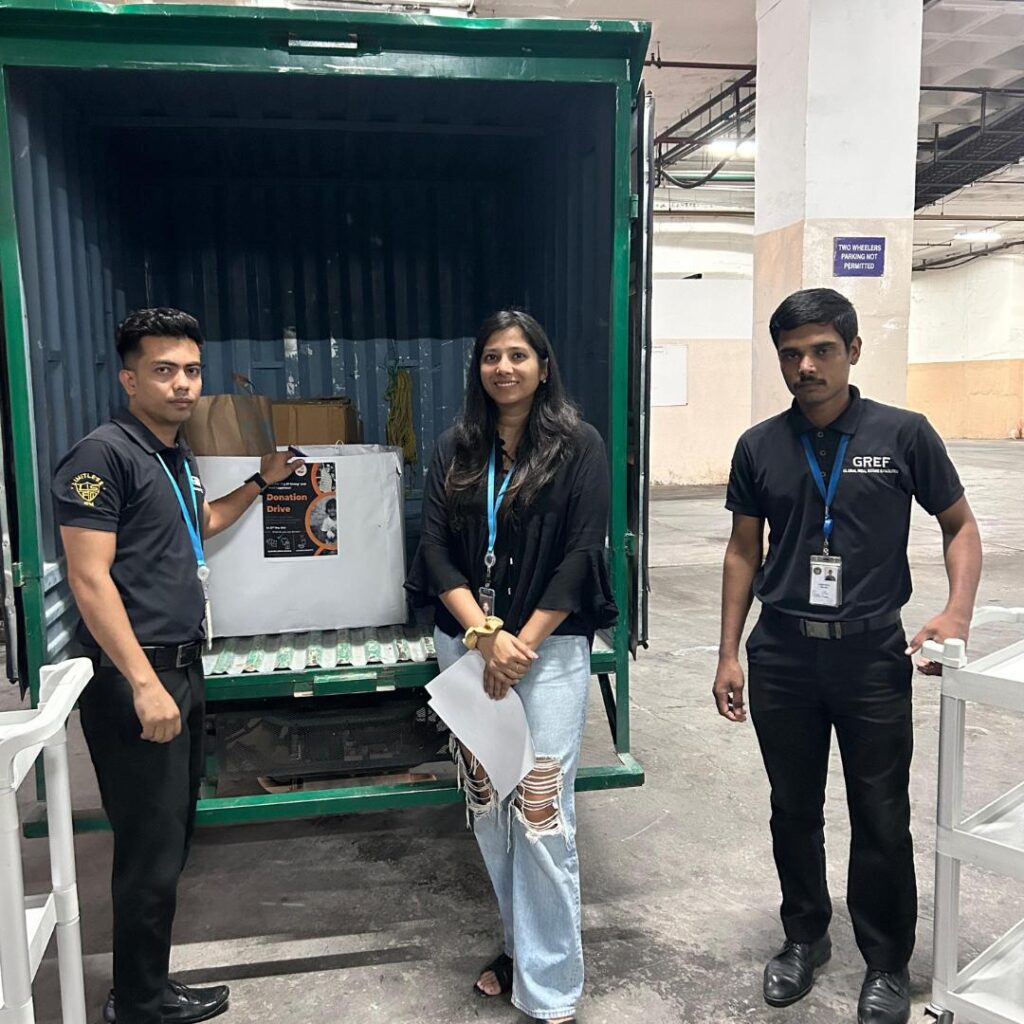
x=386 y=917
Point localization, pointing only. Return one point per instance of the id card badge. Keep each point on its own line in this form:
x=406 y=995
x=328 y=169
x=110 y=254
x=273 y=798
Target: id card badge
x=826 y=581
x=485 y=597
x=203 y=572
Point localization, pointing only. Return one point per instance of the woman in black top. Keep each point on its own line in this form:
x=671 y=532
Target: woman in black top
x=528 y=587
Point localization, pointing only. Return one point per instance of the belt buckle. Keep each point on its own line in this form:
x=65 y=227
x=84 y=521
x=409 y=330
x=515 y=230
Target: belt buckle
x=817 y=630
x=183 y=650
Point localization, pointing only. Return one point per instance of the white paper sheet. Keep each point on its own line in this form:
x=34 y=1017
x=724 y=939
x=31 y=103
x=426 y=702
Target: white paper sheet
x=496 y=731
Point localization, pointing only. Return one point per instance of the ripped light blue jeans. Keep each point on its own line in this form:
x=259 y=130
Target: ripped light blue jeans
x=530 y=854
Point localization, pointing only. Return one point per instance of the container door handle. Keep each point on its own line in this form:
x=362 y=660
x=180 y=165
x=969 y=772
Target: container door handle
x=347 y=44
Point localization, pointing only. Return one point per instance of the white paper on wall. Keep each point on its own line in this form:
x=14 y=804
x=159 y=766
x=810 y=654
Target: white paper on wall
x=668 y=375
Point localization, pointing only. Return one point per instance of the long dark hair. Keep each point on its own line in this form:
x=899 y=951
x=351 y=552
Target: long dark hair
x=550 y=434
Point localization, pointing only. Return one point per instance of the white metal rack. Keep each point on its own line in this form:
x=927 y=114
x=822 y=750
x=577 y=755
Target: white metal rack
x=26 y=923
x=990 y=989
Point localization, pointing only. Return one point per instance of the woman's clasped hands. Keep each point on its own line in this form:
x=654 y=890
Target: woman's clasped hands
x=507 y=658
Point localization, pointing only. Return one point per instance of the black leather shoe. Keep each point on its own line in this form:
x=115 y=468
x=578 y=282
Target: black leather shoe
x=182 y=1005
x=884 y=998
x=789 y=975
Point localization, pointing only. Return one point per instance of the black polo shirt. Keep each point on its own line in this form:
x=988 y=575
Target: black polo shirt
x=893 y=456
x=112 y=480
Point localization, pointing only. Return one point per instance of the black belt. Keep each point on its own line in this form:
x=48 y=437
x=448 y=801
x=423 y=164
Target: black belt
x=162 y=658
x=819 y=629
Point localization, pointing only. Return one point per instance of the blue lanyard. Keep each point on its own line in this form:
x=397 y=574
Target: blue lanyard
x=193 y=527
x=492 y=510
x=828 y=496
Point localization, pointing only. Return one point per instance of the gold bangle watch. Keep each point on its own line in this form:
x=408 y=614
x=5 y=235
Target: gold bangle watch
x=492 y=624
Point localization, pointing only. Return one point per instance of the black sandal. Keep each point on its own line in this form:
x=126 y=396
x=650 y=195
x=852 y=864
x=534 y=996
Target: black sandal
x=501 y=966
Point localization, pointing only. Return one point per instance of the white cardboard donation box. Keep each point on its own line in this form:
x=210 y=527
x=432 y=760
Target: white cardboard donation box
x=324 y=549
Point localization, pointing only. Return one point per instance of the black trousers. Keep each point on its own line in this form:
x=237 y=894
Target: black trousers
x=800 y=690
x=149 y=793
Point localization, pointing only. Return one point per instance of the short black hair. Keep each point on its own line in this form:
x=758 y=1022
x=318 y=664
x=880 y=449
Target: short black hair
x=161 y=322
x=815 y=306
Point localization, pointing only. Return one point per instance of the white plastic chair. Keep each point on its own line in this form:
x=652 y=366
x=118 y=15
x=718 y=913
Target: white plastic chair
x=26 y=923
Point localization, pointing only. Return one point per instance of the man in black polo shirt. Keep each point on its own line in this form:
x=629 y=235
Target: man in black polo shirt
x=834 y=477
x=133 y=517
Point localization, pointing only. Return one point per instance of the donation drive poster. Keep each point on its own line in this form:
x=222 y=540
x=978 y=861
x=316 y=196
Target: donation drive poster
x=300 y=514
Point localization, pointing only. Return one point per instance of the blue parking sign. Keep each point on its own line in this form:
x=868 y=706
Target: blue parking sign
x=858 y=257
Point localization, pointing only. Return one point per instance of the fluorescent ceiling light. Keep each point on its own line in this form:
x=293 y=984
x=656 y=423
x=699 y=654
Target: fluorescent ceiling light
x=724 y=147
x=977 y=236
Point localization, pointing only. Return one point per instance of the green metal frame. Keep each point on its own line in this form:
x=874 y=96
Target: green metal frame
x=249 y=810
x=82 y=35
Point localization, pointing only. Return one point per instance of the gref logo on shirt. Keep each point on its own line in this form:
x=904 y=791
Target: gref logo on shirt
x=87 y=486
x=871 y=464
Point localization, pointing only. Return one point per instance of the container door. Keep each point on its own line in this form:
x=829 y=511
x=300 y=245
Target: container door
x=640 y=280
x=12 y=621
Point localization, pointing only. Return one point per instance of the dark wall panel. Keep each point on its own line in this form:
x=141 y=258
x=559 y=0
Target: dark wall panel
x=567 y=226
x=74 y=272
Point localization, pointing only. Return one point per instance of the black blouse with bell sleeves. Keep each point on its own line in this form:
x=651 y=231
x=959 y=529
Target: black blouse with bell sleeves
x=550 y=554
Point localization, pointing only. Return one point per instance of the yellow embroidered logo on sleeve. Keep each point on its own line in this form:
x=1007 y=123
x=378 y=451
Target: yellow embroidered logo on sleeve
x=87 y=486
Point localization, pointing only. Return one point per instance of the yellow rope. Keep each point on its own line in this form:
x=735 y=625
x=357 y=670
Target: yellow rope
x=400 y=431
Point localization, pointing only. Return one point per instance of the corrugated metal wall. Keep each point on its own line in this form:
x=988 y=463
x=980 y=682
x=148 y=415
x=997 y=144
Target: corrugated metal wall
x=569 y=219
x=73 y=271
x=315 y=259
x=337 y=283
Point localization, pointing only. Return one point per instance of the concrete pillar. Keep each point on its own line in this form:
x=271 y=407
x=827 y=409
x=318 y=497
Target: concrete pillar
x=837 y=113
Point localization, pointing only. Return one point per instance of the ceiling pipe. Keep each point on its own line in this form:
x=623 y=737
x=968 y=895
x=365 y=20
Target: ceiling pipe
x=654 y=60
x=977 y=90
x=697 y=65
x=742 y=214
x=966 y=216
x=712 y=212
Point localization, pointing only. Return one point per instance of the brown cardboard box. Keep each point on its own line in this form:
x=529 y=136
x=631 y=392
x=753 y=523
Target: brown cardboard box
x=231 y=425
x=317 y=421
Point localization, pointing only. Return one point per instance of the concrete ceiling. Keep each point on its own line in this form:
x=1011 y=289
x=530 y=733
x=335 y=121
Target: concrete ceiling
x=719 y=31
x=967 y=44
x=993 y=205
x=973 y=44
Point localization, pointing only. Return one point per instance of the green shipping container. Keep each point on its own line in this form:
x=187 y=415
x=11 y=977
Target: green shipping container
x=334 y=195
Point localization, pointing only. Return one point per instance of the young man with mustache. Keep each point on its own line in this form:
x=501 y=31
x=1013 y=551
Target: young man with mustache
x=834 y=477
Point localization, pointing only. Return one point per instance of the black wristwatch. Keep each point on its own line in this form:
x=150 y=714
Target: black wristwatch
x=258 y=480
